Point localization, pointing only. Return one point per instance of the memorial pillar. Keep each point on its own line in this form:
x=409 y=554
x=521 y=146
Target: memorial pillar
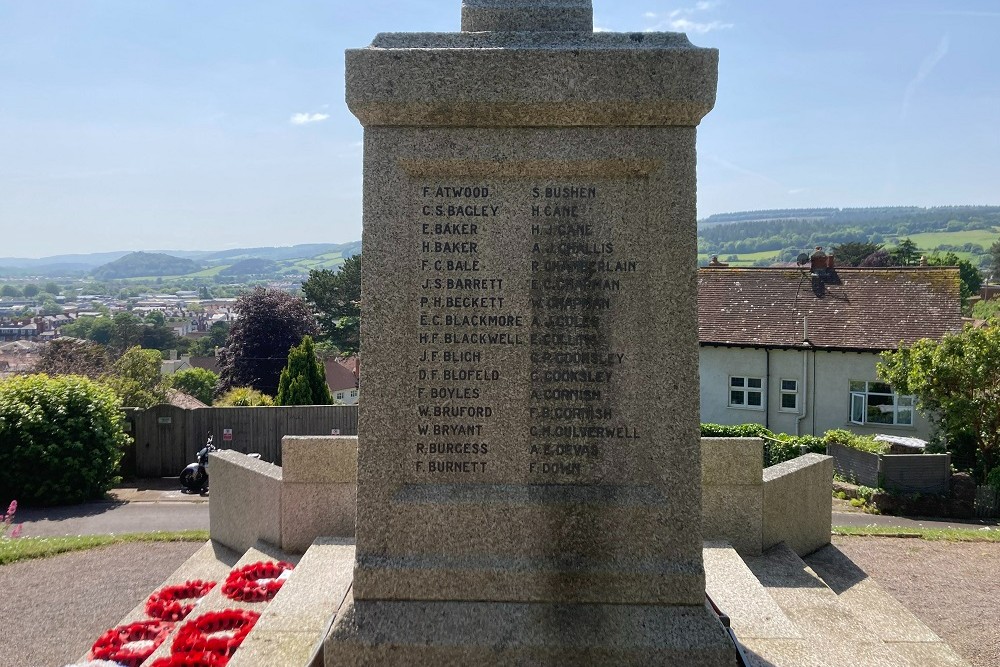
x=529 y=482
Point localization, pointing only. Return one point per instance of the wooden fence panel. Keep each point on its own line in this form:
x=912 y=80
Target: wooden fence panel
x=917 y=473
x=163 y=447
x=855 y=466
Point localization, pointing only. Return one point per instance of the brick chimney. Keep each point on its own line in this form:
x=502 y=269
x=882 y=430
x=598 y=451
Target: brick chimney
x=818 y=260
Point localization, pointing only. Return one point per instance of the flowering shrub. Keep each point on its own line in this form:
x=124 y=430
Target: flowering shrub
x=6 y=520
x=61 y=439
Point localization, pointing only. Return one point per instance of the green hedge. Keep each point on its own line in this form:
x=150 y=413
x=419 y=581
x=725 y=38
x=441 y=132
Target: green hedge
x=865 y=443
x=61 y=439
x=778 y=447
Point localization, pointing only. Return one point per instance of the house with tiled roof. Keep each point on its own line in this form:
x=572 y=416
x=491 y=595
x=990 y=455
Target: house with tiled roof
x=795 y=348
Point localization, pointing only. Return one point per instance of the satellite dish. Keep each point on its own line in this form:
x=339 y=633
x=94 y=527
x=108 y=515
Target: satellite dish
x=803 y=258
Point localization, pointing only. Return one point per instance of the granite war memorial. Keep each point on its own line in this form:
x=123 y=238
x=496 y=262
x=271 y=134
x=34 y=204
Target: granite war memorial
x=528 y=470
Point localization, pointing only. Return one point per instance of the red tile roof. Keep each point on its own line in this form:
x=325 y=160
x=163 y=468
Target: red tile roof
x=843 y=308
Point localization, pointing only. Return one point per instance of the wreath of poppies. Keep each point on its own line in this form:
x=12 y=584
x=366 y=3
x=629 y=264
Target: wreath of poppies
x=168 y=603
x=132 y=643
x=257 y=582
x=219 y=632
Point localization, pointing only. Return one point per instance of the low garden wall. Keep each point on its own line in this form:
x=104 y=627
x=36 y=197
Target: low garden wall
x=905 y=473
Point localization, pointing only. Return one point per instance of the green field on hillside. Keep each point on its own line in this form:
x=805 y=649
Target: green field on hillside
x=980 y=237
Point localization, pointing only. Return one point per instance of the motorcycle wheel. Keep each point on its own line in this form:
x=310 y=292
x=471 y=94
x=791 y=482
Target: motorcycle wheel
x=191 y=480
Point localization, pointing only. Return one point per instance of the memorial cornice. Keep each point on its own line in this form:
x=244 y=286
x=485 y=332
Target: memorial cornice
x=531 y=79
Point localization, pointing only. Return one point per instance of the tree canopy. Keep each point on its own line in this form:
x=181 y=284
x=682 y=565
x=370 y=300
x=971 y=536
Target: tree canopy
x=269 y=323
x=71 y=356
x=336 y=300
x=303 y=380
x=853 y=252
x=957 y=382
x=197 y=382
x=136 y=378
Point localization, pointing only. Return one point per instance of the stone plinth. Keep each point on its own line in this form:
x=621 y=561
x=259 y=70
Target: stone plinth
x=529 y=488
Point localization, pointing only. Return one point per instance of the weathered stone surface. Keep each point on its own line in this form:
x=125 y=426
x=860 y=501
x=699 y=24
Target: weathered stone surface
x=312 y=510
x=535 y=15
x=732 y=492
x=544 y=79
x=246 y=500
x=528 y=467
x=798 y=503
x=457 y=634
x=319 y=459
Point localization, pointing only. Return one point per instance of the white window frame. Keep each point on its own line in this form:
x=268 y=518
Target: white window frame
x=340 y=395
x=354 y=393
x=861 y=395
x=744 y=386
x=784 y=390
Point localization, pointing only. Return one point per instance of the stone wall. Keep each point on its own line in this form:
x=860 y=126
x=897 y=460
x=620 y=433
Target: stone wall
x=798 y=503
x=313 y=495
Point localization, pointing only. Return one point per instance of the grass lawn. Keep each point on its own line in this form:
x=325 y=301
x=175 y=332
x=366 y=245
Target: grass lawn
x=932 y=534
x=24 y=548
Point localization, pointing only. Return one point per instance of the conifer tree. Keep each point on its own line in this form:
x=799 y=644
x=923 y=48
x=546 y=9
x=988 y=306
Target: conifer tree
x=303 y=380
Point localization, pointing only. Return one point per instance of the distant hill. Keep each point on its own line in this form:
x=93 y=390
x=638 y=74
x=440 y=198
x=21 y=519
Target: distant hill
x=764 y=237
x=152 y=264
x=287 y=262
x=251 y=267
x=301 y=251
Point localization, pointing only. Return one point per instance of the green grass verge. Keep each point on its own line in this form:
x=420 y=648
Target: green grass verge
x=25 y=548
x=932 y=534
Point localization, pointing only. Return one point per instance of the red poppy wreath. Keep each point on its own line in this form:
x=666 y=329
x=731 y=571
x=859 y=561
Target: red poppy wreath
x=219 y=632
x=258 y=582
x=174 y=603
x=132 y=643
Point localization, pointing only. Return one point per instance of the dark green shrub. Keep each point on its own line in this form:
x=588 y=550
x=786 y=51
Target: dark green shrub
x=993 y=478
x=61 y=439
x=735 y=431
x=303 y=380
x=780 y=449
x=865 y=443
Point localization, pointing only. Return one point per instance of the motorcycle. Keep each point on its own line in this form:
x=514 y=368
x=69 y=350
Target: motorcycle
x=194 y=478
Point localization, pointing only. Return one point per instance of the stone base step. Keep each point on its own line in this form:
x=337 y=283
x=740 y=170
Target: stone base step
x=212 y=562
x=851 y=622
x=292 y=628
x=216 y=601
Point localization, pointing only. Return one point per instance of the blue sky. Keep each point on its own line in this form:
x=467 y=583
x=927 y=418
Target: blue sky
x=184 y=124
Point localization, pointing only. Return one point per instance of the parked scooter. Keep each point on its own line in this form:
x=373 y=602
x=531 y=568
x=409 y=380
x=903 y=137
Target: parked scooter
x=194 y=478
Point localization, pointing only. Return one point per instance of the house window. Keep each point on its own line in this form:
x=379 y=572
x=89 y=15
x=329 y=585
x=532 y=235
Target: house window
x=340 y=395
x=354 y=393
x=875 y=403
x=789 y=396
x=746 y=392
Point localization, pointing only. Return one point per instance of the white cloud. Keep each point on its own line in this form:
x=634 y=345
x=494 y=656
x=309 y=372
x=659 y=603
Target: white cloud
x=685 y=19
x=304 y=118
x=684 y=25
x=926 y=67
